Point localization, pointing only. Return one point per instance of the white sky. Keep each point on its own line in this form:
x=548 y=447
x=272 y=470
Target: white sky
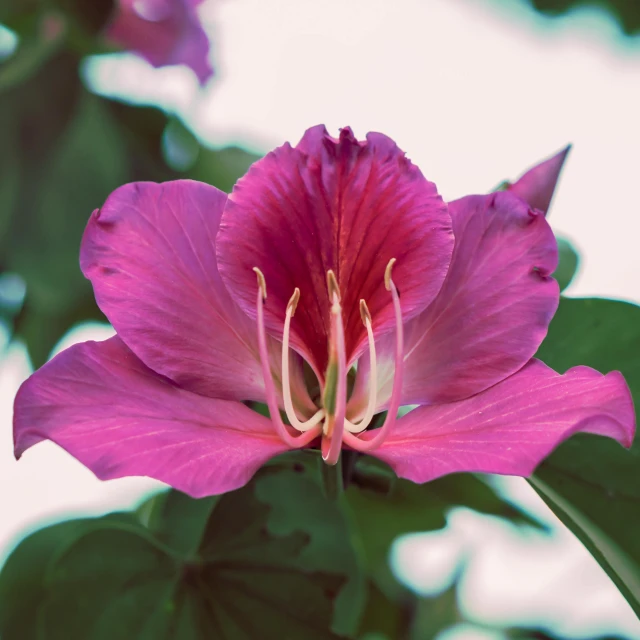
x=474 y=97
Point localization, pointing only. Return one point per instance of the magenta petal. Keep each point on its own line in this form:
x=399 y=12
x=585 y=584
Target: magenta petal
x=102 y=405
x=344 y=205
x=537 y=185
x=164 y=32
x=510 y=428
x=150 y=255
x=493 y=310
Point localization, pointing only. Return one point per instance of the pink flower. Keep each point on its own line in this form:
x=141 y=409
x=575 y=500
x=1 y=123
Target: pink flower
x=163 y=32
x=326 y=255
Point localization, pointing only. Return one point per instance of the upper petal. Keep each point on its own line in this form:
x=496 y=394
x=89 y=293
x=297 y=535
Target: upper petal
x=510 y=428
x=164 y=32
x=100 y=403
x=150 y=255
x=344 y=205
x=492 y=312
x=537 y=185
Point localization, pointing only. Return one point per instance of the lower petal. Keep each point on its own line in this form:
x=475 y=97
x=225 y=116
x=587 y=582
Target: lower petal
x=100 y=403
x=510 y=428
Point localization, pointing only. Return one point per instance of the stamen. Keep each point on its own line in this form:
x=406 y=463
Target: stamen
x=281 y=429
x=286 y=388
x=332 y=285
x=335 y=397
x=373 y=375
x=394 y=403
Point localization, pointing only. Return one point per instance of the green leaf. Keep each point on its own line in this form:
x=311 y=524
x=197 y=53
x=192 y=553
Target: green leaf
x=381 y=512
x=271 y=560
x=591 y=483
x=567 y=265
x=22 y=588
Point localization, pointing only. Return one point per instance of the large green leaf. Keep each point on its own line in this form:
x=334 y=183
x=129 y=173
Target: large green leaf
x=592 y=483
x=271 y=560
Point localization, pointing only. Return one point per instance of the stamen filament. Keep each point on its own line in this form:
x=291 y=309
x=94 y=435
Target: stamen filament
x=281 y=429
x=354 y=441
x=286 y=388
x=373 y=375
x=335 y=418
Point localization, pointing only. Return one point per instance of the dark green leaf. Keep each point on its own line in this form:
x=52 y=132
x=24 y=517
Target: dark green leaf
x=592 y=483
x=568 y=264
x=271 y=561
x=22 y=588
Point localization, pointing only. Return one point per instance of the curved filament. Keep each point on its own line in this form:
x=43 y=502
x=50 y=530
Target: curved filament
x=354 y=441
x=274 y=411
x=373 y=376
x=286 y=388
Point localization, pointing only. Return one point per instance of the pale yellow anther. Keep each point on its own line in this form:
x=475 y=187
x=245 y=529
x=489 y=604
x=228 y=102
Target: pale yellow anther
x=332 y=285
x=262 y=283
x=293 y=302
x=387 y=274
x=364 y=313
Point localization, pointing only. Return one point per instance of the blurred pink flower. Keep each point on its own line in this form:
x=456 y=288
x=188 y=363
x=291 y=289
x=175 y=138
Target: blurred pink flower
x=163 y=32
x=332 y=253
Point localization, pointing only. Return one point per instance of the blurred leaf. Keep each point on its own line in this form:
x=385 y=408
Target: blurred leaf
x=260 y=562
x=92 y=16
x=381 y=515
x=591 y=483
x=41 y=36
x=46 y=237
x=222 y=167
x=626 y=12
x=568 y=264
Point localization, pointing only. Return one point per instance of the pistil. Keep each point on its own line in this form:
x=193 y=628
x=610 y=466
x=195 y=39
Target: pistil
x=335 y=391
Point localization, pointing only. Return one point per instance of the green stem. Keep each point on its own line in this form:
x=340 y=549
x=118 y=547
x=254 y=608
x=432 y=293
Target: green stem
x=332 y=479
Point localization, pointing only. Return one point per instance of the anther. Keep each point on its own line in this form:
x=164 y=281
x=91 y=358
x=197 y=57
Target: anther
x=387 y=274
x=332 y=285
x=364 y=313
x=292 y=305
x=262 y=283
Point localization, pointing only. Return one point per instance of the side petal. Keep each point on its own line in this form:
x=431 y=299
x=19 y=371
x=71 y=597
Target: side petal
x=163 y=32
x=510 y=428
x=343 y=205
x=100 y=403
x=150 y=255
x=537 y=185
x=492 y=312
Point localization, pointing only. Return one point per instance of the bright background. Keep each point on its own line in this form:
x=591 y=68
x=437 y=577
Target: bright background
x=475 y=92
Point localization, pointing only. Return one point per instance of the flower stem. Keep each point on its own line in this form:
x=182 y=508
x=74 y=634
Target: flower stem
x=332 y=479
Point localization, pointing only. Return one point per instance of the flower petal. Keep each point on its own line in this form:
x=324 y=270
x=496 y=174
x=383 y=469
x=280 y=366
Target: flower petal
x=100 y=403
x=163 y=32
x=492 y=312
x=510 y=428
x=537 y=185
x=343 y=205
x=150 y=255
